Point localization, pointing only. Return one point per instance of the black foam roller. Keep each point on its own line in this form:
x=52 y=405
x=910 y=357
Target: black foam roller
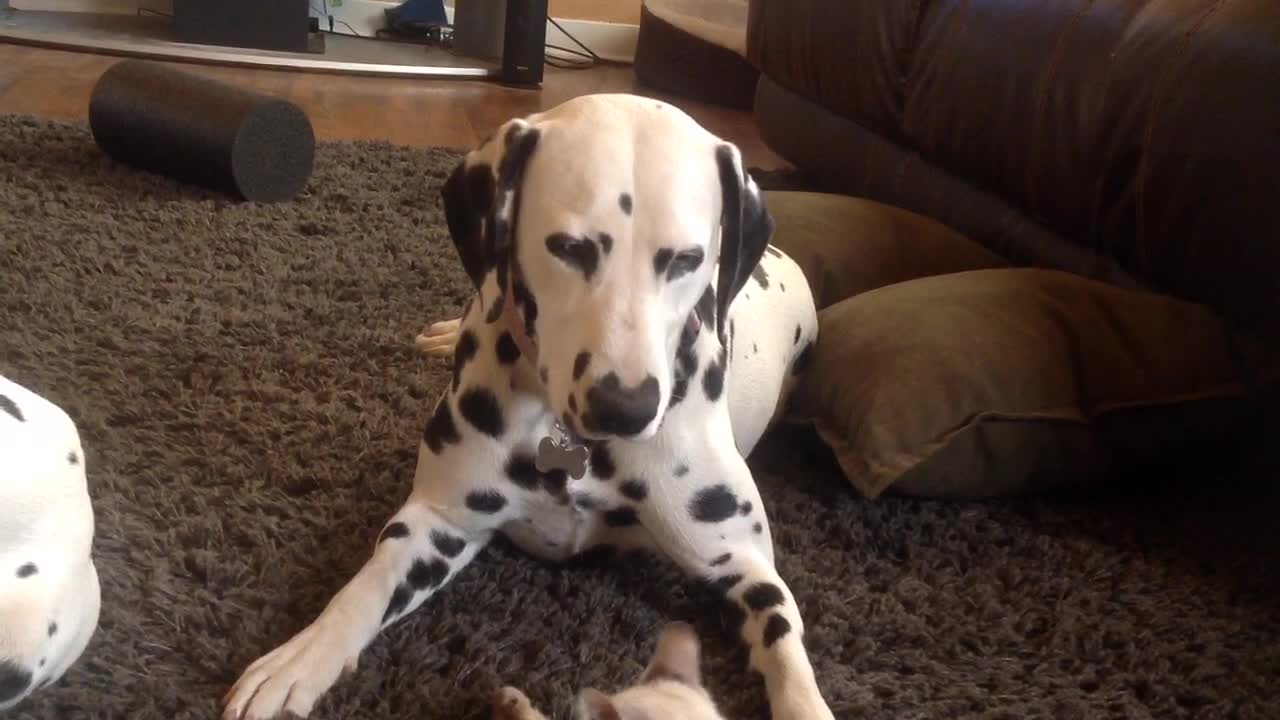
x=202 y=131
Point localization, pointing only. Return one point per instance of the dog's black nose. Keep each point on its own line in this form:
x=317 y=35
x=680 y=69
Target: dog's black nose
x=13 y=681
x=616 y=410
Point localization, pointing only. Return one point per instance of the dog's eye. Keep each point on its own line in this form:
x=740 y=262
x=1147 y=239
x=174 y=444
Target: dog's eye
x=684 y=263
x=579 y=253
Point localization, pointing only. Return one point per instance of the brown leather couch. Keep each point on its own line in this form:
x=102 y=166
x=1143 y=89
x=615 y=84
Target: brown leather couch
x=1136 y=142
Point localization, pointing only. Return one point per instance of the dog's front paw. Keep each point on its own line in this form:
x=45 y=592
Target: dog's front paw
x=511 y=704
x=292 y=677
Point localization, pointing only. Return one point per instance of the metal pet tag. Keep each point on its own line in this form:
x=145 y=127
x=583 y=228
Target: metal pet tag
x=554 y=455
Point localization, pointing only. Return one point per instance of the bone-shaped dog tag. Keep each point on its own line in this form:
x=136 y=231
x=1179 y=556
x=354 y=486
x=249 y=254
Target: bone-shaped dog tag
x=552 y=456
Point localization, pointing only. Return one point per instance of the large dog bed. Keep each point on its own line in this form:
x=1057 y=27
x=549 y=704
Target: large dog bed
x=250 y=402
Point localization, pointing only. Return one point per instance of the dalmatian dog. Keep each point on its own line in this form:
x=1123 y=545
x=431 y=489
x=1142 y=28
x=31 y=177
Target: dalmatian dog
x=49 y=593
x=602 y=396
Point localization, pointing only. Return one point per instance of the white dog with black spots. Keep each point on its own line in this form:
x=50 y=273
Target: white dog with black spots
x=49 y=593
x=632 y=337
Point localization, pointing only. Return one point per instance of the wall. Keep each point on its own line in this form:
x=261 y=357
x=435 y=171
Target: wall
x=626 y=12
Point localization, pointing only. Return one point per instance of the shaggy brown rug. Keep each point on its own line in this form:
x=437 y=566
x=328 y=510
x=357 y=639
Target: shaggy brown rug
x=250 y=402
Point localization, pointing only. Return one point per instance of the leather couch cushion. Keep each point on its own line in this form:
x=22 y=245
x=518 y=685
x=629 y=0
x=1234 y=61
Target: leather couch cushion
x=1144 y=131
x=847 y=246
x=1002 y=381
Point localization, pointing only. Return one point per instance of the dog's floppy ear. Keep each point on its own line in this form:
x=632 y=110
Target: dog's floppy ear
x=481 y=200
x=745 y=228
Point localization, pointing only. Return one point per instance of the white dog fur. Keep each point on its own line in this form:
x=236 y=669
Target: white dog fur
x=49 y=593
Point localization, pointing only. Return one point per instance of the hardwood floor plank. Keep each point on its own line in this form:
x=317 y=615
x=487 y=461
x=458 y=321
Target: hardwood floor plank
x=56 y=84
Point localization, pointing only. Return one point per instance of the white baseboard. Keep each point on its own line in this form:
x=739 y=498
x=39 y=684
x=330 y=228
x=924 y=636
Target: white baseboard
x=611 y=41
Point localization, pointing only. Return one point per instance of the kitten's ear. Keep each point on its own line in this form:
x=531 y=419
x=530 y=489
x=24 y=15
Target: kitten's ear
x=595 y=705
x=676 y=657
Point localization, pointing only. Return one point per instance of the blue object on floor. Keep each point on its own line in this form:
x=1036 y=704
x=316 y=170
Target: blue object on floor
x=419 y=13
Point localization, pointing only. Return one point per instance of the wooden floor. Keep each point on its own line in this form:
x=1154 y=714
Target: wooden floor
x=455 y=113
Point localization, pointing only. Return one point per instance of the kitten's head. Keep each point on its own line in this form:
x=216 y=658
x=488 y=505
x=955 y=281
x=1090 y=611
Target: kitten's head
x=670 y=687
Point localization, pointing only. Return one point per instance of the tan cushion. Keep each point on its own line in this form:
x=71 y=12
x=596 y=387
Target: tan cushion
x=848 y=245
x=993 y=382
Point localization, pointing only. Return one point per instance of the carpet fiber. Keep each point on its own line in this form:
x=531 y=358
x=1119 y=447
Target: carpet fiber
x=250 y=402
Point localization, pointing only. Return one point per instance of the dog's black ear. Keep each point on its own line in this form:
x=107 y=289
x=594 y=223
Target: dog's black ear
x=745 y=229
x=481 y=202
x=468 y=200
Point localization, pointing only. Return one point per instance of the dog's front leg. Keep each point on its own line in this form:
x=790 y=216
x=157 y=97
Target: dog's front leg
x=709 y=519
x=417 y=552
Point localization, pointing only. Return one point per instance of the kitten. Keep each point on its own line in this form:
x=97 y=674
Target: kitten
x=669 y=688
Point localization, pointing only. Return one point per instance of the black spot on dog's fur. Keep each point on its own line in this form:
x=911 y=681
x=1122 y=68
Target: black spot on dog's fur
x=706 y=307
x=682 y=470
x=580 y=364
x=8 y=405
x=722 y=560
x=555 y=481
x=661 y=260
x=448 y=544
x=635 y=489
x=758 y=529
x=463 y=353
x=782 y=286
x=13 y=680
x=606 y=242
x=760 y=276
x=762 y=596
x=602 y=464
x=586 y=501
x=73 y=458
x=400 y=598
x=427 y=575
x=796 y=340
x=488 y=502
x=508 y=351
x=479 y=406
x=621 y=517
x=686 y=361
x=440 y=429
x=26 y=570
x=495 y=311
x=523 y=471
x=775 y=629
x=524 y=299
x=394 y=531
x=726 y=583
x=576 y=252
x=53 y=629
x=713 y=504
x=713 y=379
x=745 y=508
x=802 y=360
x=624 y=202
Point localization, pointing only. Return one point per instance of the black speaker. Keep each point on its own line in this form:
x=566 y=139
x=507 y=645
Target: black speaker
x=263 y=24
x=524 y=42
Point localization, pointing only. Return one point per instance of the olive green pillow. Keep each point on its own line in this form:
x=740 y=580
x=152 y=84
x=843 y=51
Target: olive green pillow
x=847 y=245
x=994 y=382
